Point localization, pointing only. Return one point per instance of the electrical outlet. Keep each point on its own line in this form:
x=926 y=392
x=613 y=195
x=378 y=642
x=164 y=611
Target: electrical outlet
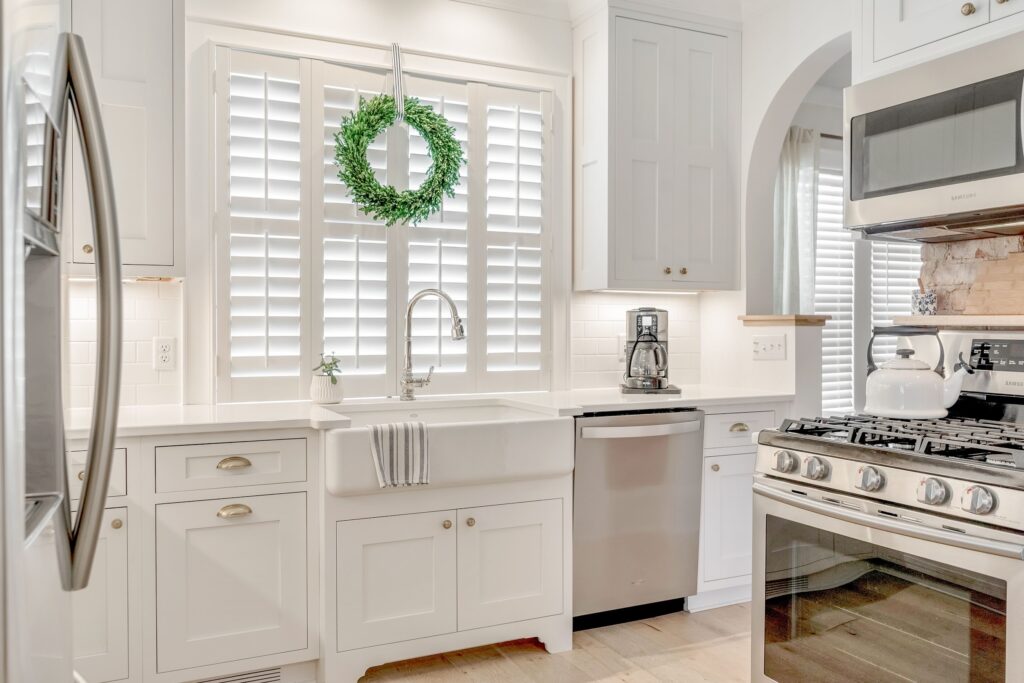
x=165 y=354
x=770 y=347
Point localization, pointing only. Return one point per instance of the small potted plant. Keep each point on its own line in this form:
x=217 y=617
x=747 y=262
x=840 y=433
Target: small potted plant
x=325 y=387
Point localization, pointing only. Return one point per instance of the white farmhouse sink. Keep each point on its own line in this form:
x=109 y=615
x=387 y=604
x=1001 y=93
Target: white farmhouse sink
x=473 y=441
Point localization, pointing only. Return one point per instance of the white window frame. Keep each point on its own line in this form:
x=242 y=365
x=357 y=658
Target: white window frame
x=201 y=201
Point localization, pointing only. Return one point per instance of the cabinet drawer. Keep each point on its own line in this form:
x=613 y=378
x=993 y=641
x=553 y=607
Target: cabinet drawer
x=735 y=429
x=118 y=473
x=230 y=579
x=236 y=463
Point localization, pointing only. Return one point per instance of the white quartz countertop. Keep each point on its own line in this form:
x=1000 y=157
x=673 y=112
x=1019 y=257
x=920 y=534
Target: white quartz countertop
x=181 y=419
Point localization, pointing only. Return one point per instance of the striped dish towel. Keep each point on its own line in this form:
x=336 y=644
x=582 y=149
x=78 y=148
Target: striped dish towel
x=400 y=454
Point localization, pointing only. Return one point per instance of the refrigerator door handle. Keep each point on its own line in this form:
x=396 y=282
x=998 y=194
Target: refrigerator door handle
x=81 y=94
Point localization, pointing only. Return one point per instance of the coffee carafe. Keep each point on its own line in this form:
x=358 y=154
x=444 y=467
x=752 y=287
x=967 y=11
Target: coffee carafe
x=647 y=352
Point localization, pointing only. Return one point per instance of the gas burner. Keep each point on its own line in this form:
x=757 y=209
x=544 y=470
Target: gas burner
x=984 y=441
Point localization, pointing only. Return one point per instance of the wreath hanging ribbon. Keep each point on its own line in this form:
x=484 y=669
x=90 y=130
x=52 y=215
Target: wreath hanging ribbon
x=384 y=202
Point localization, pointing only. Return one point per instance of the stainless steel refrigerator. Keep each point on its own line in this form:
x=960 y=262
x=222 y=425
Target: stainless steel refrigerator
x=46 y=551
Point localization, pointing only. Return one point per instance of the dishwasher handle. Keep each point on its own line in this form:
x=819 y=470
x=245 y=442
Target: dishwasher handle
x=641 y=431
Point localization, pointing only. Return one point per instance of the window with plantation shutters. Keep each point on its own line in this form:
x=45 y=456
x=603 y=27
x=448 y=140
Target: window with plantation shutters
x=834 y=286
x=895 y=268
x=260 y=215
x=301 y=270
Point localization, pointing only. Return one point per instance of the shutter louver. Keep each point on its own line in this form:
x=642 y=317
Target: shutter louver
x=514 y=260
x=834 y=295
x=264 y=209
x=35 y=149
x=895 y=268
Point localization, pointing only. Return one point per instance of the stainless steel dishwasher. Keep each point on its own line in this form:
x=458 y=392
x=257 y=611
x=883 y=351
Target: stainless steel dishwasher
x=636 y=511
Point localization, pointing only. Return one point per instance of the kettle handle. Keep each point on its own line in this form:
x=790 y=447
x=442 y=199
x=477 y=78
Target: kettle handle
x=905 y=331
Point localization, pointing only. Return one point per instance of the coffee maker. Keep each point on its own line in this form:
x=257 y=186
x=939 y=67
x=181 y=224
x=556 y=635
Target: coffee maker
x=647 y=353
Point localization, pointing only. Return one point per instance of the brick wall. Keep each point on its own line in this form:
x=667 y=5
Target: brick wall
x=976 y=277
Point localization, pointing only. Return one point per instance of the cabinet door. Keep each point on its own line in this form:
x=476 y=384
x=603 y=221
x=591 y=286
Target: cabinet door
x=230 y=579
x=728 y=516
x=702 y=231
x=396 y=578
x=100 y=611
x=1005 y=8
x=510 y=563
x=901 y=25
x=129 y=43
x=642 y=152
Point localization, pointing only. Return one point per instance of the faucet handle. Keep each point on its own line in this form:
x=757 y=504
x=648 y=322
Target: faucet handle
x=430 y=374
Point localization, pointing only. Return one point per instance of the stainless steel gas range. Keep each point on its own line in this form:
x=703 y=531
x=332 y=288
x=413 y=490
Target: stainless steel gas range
x=893 y=550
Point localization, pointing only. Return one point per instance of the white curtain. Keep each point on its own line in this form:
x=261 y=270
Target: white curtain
x=795 y=211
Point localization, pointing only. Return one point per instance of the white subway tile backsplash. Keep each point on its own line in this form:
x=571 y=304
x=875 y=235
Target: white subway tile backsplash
x=150 y=310
x=598 y=319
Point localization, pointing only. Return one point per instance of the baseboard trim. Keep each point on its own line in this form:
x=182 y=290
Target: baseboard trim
x=718 y=598
x=634 y=613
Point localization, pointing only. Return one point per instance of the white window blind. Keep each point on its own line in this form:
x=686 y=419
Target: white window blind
x=261 y=217
x=834 y=294
x=515 y=216
x=895 y=268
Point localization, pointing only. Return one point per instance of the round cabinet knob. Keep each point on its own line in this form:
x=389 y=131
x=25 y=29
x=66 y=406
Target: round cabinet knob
x=87 y=248
x=869 y=479
x=81 y=476
x=967 y=9
x=117 y=524
x=715 y=468
x=447 y=524
x=815 y=468
x=785 y=462
x=1002 y=2
x=977 y=500
x=470 y=522
x=668 y=270
x=684 y=271
x=932 y=491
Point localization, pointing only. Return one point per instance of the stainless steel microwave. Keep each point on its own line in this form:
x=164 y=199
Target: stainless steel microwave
x=935 y=152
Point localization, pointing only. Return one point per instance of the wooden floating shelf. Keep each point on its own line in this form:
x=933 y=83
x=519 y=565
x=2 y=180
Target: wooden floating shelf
x=964 y=322
x=785 y=320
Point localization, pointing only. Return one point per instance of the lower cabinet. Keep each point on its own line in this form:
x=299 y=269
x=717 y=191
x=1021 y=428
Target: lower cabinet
x=427 y=574
x=100 y=611
x=231 y=579
x=728 y=516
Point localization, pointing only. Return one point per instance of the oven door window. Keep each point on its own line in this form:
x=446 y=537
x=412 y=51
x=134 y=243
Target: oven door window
x=844 y=611
x=969 y=133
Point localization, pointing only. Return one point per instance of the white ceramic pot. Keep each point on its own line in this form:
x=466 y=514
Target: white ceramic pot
x=321 y=391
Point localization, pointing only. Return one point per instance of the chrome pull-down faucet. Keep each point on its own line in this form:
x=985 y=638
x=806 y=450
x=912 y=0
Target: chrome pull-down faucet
x=409 y=381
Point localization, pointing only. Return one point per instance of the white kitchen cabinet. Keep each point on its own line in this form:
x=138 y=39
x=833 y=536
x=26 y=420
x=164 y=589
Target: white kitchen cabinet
x=901 y=25
x=656 y=139
x=231 y=579
x=396 y=578
x=727 y=534
x=130 y=44
x=100 y=611
x=1001 y=9
x=510 y=563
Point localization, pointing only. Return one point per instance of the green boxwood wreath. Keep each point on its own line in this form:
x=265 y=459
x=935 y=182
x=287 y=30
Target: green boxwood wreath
x=384 y=202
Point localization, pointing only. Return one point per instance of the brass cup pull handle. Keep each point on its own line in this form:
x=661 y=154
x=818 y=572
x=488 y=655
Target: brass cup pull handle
x=967 y=9
x=447 y=524
x=715 y=468
x=740 y=427
x=235 y=462
x=470 y=522
x=234 y=510
x=81 y=476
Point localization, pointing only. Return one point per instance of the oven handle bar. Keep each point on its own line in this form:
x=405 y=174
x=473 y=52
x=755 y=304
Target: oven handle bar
x=984 y=545
x=641 y=430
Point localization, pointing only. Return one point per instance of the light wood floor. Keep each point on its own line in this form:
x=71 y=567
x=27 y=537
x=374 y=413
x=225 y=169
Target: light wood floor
x=707 y=647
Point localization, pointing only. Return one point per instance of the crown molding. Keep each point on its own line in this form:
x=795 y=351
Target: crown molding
x=557 y=10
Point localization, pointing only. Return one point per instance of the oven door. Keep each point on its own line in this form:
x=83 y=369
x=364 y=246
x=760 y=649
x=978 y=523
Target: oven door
x=844 y=593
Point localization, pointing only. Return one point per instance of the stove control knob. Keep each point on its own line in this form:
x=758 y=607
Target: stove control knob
x=932 y=491
x=977 y=500
x=815 y=468
x=869 y=479
x=785 y=462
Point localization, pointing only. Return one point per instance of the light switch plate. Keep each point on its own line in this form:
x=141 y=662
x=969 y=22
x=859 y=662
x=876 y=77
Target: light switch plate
x=165 y=353
x=770 y=347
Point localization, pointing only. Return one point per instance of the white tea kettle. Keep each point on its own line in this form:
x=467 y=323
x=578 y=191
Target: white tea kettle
x=907 y=388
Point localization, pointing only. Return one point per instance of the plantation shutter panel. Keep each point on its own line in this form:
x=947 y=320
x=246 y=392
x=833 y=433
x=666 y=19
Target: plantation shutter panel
x=438 y=248
x=895 y=268
x=516 y=211
x=834 y=285
x=261 y=221
x=351 y=259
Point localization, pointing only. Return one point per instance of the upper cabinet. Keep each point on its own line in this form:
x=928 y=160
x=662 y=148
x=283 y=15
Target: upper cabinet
x=656 y=151
x=131 y=48
x=894 y=34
